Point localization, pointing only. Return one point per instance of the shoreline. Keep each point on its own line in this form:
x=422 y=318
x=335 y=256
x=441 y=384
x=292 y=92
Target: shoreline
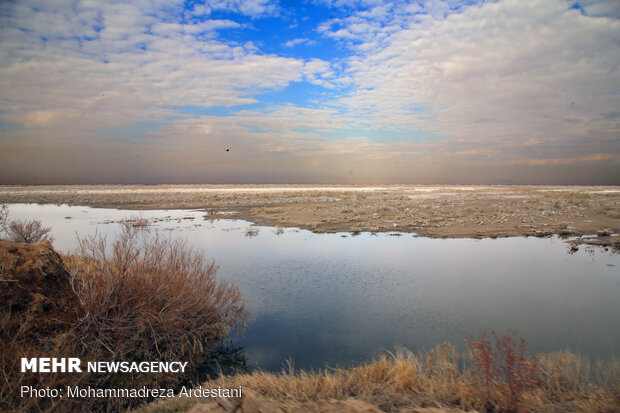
x=436 y=211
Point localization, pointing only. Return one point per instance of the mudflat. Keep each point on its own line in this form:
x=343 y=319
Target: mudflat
x=434 y=211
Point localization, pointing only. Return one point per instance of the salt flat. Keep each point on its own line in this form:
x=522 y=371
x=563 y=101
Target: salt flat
x=429 y=210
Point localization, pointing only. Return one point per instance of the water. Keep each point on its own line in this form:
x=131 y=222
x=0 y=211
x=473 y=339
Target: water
x=326 y=299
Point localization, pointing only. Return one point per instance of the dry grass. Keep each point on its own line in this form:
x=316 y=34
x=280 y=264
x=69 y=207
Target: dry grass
x=403 y=380
x=12 y=350
x=37 y=311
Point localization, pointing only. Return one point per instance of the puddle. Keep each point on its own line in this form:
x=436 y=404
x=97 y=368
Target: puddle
x=325 y=299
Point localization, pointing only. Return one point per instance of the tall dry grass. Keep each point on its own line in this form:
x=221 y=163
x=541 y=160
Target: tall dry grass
x=441 y=378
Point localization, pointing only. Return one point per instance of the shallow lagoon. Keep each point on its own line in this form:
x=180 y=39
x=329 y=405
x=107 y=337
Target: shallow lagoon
x=339 y=299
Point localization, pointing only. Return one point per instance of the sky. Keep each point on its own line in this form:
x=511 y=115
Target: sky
x=310 y=92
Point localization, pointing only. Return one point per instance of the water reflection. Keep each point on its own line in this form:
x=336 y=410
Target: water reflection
x=226 y=359
x=321 y=299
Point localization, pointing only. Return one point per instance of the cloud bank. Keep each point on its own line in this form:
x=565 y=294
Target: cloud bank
x=364 y=92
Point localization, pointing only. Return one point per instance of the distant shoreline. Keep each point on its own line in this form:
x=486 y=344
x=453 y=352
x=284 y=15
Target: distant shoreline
x=453 y=211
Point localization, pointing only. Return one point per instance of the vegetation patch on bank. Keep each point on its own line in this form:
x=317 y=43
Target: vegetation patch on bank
x=139 y=298
x=443 y=379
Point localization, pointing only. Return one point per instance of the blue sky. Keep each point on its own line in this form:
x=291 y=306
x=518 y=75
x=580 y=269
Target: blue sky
x=351 y=91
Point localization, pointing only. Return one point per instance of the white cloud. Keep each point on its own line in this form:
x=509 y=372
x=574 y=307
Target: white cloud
x=369 y=23
x=504 y=72
x=299 y=41
x=254 y=8
x=284 y=119
x=104 y=65
x=319 y=72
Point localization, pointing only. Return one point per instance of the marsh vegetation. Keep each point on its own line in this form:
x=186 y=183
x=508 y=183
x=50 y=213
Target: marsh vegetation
x=444 y=379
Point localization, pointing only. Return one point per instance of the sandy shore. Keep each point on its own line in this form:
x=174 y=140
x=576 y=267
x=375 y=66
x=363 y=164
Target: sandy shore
x=435 y=211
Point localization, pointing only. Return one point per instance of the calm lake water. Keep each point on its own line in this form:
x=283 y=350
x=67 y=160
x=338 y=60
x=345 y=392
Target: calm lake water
x=338 y=299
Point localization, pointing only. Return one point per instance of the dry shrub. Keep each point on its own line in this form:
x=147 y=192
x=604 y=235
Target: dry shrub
x=29 y=231
x=139 y=298
x=151 y=298
x=504 y=371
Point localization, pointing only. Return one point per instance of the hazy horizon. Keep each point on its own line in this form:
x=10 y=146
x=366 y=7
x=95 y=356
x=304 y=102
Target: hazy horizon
x=310 y=92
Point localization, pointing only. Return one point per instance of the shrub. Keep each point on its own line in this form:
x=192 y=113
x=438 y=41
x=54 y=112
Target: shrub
x=505 y=369
x=30 y=232
x=139 y=298
x=151 y=298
